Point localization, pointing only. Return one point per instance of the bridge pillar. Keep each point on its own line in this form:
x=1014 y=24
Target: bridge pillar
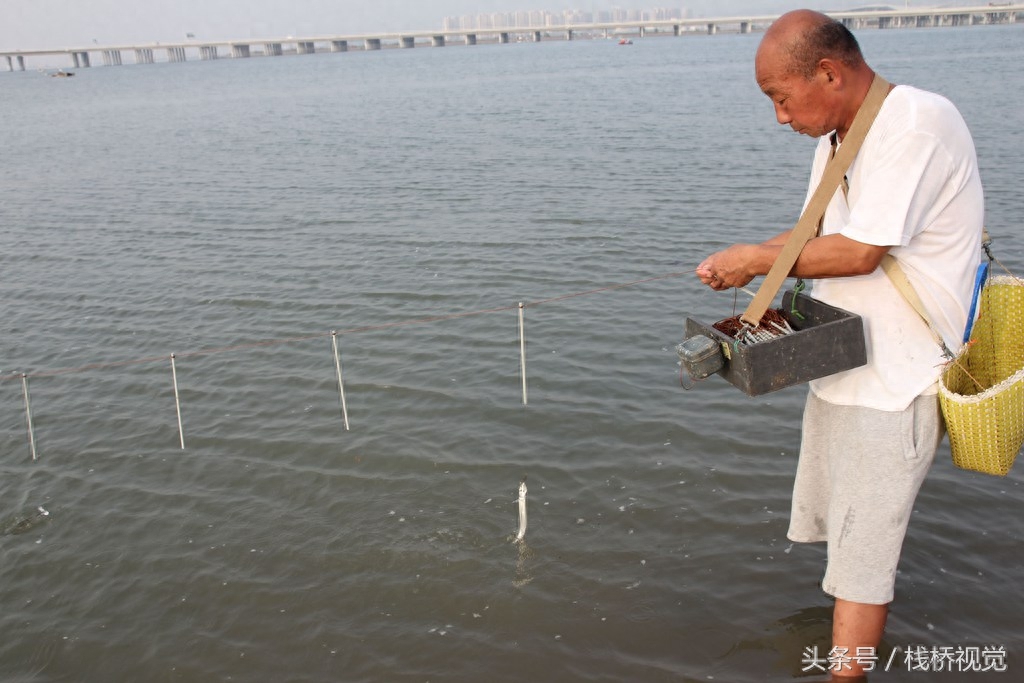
x=503 y=37
x=143 y=55
x=470 y=39
x=339 y=46
x=885 y=22
x=407 y=41
x=536 y=36
x=744 y=27
x=437 y=41
x=643 y=32
x=305 y=47
x=74 y=61
x=372 y=44
x=241 y=51
x=112 y=58
x=568 y=34
x=676 y=29
x=10 y=63
x=272 y=49
x=85 y=59
x=208 y=52
x=712 y=29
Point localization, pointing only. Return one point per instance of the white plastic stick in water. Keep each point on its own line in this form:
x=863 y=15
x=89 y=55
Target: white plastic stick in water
x=341 y=385
x=177 y=403
x=28 y=415
x=522 y=354
x=522 y=510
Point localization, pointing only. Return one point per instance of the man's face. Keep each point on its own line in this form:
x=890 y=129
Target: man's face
x=803 y=104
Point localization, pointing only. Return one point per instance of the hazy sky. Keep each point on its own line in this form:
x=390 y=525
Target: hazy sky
x=41 y=24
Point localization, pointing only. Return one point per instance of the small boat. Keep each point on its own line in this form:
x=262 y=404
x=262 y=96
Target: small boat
x=623 y=41
x=63 y=74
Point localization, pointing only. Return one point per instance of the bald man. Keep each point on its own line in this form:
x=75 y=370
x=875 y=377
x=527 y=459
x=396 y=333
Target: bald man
x=869 y=434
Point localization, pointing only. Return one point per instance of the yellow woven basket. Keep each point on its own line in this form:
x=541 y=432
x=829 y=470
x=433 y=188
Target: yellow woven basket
x=982 y=390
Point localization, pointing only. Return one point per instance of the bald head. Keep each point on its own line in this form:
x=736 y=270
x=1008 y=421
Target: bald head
x=802 y=38
x=811 y=68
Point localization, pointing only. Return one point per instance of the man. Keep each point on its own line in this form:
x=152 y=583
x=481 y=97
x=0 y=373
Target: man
x=869 y=434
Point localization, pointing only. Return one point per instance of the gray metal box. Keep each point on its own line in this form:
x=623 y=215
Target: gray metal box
x=827 y=340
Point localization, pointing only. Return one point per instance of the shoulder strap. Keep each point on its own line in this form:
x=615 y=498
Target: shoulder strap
x=902 y=283
x=899 y=279
x=807 y=226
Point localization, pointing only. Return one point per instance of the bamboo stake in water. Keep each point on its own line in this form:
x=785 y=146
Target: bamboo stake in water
x=28 y=415
x=522 y=350
x=341 y=385
x=177 y=403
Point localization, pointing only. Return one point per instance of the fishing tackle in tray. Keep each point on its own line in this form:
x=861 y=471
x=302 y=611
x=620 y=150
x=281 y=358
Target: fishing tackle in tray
x=703 y=356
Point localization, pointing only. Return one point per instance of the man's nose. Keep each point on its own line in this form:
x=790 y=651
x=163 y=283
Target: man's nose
x=782 y=116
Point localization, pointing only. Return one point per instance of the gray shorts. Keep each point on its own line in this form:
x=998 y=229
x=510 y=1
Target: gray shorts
x=859 y=472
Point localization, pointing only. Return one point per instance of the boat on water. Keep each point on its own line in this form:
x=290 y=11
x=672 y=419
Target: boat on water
x=625 y=41
x=63 y=74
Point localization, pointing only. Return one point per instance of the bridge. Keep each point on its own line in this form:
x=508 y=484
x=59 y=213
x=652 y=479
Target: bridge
x=112 y=55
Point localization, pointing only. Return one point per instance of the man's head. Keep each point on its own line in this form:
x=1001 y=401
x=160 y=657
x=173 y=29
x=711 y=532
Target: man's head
x=812 y=69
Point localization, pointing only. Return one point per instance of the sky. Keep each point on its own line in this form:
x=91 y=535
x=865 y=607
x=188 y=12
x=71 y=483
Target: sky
x=46 y=24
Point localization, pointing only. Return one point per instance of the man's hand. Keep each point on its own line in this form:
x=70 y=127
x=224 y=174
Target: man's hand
x=828 y=256
x=728 y=268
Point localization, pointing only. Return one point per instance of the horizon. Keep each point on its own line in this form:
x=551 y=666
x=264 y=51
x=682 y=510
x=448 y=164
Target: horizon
x=31 y=26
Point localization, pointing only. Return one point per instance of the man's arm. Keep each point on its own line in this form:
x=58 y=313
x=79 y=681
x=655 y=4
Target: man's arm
x=828 y=256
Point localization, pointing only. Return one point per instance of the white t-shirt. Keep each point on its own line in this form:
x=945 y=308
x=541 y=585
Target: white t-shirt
x=913 y=186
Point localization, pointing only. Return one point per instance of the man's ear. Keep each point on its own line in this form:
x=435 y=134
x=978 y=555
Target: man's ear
x=828 y=68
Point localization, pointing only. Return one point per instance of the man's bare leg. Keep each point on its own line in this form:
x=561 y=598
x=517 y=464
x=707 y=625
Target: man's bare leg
x=856 y=625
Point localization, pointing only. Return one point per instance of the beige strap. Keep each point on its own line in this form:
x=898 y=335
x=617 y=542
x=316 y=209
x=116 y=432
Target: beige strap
x=807 y=226
x=902 y=283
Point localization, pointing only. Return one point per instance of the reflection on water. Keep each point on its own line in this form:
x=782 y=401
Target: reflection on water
x=524 y=573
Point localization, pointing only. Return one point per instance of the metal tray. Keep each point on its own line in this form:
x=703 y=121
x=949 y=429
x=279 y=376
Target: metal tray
x=827 y=340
